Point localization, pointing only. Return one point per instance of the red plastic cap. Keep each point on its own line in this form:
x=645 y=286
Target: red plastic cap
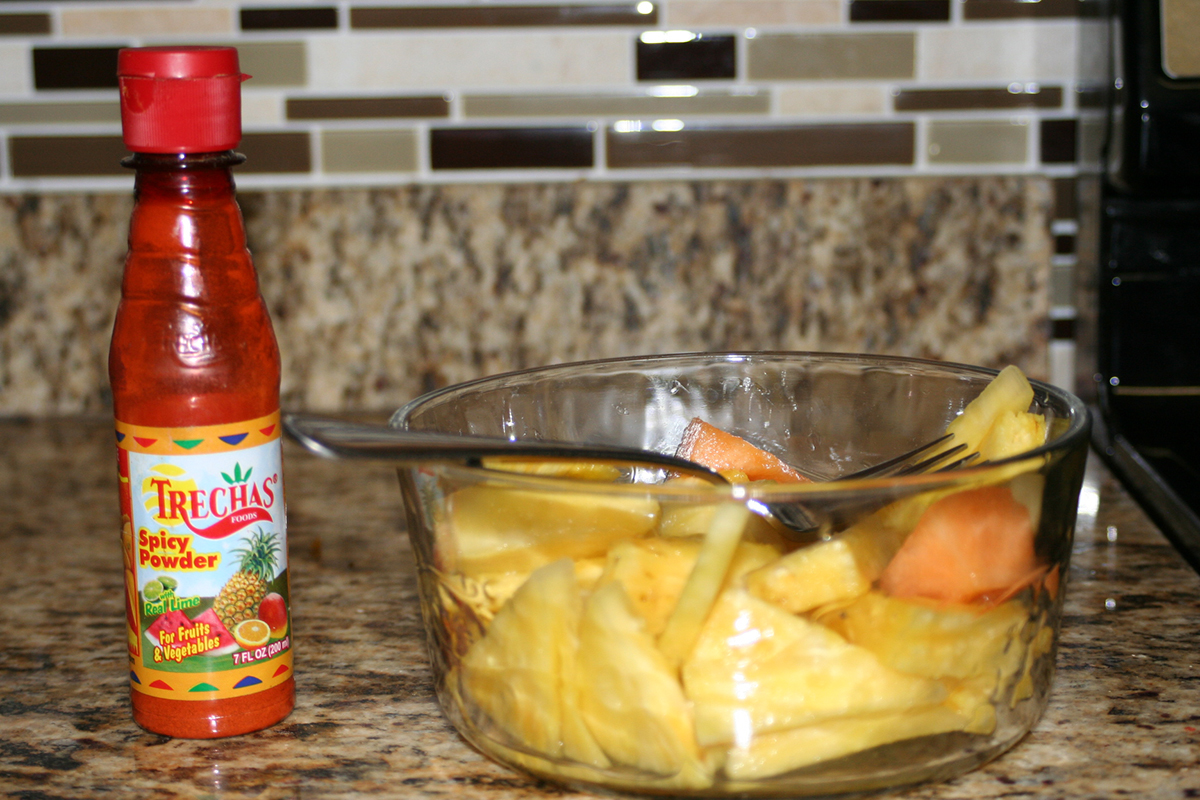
x=180 y=99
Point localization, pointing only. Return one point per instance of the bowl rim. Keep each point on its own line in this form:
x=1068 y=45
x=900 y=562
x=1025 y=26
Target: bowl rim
x=1079 y=426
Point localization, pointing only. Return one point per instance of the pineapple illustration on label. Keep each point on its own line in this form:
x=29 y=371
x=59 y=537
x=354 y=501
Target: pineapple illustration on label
x=207 y=544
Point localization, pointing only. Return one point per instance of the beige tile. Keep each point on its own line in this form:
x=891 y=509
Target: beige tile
x=58 y=113
x=261 y=108
x=1021 y=51
x=698 y=13
x=977 y=142
x=273 y=63
x=632 y=105
x=145 y=21
x=1181 y=38
x=15 y=77
x=831 y=56
x=433 y=62
x=831 y=100
x=369 y=151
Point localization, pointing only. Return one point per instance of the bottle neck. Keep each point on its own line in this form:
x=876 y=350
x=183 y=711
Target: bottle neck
x=191 y=174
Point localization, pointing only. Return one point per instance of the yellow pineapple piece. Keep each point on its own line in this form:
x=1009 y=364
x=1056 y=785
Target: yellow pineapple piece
x=756 y=668
x=653 y=572
x=935 y=641
x=1008 y=392
x=515 y=673
x=498 y=529
x=570 y=468
x=689 y=518
x=1013 y=433
x=704 y=583
x=830 y=571
x=628 y=695
x=776 y=753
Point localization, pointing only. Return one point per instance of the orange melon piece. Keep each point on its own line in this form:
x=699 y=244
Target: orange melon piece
x=714 y=448
x=971 y=546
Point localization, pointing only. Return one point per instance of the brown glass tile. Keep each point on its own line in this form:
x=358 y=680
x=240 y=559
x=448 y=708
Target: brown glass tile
x=599 y=105
x=24 y=24
x=706 y=57
x=510 y=148
x=1062 y=328
x=793 y=146
x=1020 y=9
x=59 y=113
x=367 y=107
x=1058 y=141
x=66 y=156
x=1091 y=96
x=900 y=10
x=488 y=16
x=274 y=19
x=276 y=152
x=832 y=56
x=75 y=67
x=960 y=99
x=1066 y=202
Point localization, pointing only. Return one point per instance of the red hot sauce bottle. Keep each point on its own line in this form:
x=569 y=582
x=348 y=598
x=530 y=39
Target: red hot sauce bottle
x=194 y=368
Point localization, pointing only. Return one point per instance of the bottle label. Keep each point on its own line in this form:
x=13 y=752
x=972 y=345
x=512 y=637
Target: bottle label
x=205 y=550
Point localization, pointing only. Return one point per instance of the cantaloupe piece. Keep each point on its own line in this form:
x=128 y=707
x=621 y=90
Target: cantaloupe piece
x=714 y=448
x=970 y=546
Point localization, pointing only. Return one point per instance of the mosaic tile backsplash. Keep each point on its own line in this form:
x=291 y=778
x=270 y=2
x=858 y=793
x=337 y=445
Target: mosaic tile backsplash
x=390 y=92
x=437 y=192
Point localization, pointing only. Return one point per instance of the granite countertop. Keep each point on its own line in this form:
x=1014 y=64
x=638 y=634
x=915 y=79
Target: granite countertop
x=1124 y=717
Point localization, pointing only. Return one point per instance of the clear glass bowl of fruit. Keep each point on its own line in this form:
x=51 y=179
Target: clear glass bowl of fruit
x=630 y=629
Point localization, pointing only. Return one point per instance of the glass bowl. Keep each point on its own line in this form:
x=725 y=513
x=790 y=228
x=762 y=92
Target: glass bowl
x=621 y=629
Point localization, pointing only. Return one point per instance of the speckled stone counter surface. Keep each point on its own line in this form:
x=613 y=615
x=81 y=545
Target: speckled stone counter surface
x=1123 y=720
x=380 y=294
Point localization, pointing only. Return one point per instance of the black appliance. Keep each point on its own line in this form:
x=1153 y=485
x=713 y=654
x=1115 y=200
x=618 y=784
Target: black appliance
x=1148 y=292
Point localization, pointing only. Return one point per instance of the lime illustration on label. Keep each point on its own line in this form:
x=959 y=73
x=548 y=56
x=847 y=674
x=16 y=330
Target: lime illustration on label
x=206 y=558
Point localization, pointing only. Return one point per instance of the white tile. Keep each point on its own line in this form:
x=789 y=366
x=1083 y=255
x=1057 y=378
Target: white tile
x=261 y=108
x=831 y=100
x=15 y=77
x=436 y=61
x=1023 y=51
x=145 y=21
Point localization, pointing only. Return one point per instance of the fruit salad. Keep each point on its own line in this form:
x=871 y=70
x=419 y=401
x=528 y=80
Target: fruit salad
x=633 y=642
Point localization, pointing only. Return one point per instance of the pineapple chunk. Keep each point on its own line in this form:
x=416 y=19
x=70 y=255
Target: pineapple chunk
x=628 y=696
x=777 y=753
x=499 y=529
x=757 y=668
x=1013 y=433
x=690 y=518
x=831 y=571
x=516 y=674
x=1008 y=392
x=935 y=641
x=654 y=570
x=703 y=584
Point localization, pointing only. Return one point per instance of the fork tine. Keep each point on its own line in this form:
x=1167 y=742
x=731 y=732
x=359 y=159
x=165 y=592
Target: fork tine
x=928 y=464
x=893 y=464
